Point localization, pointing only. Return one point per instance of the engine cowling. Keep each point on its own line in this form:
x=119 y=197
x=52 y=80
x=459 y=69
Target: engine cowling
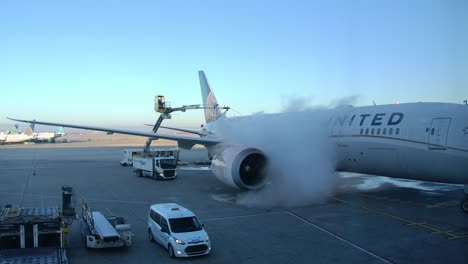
x=241 y=167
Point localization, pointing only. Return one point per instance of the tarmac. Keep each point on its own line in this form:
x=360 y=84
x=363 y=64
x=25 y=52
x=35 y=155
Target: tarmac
x=369 y=220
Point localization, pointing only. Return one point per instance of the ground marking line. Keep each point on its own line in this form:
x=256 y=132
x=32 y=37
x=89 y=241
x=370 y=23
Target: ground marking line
x=412 y=223
x=338 y=237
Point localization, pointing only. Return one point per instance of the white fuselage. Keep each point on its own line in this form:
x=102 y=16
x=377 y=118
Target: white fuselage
x=46 y=136
x=14 y=138
x=420 y=141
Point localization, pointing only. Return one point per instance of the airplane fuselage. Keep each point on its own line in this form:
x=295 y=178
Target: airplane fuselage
x=14 y=138
x=46 y=136
x=420 y=141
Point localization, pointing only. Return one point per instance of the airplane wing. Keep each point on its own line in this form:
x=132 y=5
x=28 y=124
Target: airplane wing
x=183 y=141
x=191 y=131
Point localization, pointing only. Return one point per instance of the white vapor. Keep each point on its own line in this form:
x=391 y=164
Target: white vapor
x=301 y=157
x=297 y=104
x=345 y=101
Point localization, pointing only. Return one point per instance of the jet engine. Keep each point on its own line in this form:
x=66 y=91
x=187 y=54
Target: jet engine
x=241 y=167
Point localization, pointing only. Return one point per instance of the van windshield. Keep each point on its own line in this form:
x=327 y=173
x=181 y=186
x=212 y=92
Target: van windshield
x=184 y=224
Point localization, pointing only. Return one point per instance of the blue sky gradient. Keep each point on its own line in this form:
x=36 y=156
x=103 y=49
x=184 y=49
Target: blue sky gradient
x=102 y=62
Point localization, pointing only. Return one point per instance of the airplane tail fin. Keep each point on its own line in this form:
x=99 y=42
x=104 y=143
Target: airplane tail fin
x=32 y=125
x=60 y=131
x=212 y=111
x=30 y=130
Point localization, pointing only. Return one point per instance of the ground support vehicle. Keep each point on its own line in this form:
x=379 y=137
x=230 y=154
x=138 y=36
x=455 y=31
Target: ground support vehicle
x=99 y=231
x=160 y=163
x=178 y=230
x=36 y=235
x=32 y=235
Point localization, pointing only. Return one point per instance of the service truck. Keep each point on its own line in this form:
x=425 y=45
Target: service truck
x=128 y=154
x=159 y=163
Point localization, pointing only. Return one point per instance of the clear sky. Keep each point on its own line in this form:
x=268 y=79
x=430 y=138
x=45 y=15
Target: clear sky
x=102 y=62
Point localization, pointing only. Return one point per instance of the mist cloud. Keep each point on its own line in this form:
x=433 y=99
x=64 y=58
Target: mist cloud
x=344 y=101
x=301 y=155
x=297 y=104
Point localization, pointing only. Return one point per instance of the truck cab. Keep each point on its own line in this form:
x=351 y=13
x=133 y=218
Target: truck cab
x=160 y=163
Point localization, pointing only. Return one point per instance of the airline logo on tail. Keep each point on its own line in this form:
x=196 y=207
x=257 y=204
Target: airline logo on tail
x=30 y=130
x=211 y=110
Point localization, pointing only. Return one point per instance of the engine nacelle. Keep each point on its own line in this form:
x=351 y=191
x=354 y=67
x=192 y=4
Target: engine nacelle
x=241 y=167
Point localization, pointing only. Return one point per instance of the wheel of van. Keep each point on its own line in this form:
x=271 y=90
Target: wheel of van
x=171 y=251
x=150 y=235
x=140 y=173
x=464 y=204
x=85 y=241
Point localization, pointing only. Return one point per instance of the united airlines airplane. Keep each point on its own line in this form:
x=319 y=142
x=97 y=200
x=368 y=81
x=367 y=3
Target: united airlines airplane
x=47 y=136
x=419 y=141
x=17 y=138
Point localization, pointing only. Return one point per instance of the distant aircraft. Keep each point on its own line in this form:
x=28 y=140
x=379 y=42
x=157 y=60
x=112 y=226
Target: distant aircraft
x=14 y=130
x=419 y=141
x=16 y=137
x=47 y=136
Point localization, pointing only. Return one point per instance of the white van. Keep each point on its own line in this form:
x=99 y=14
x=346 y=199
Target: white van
x=177 y=229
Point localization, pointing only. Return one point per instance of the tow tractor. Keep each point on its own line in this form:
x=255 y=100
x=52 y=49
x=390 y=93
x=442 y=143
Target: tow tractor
x=36 y=235
x=104 y=232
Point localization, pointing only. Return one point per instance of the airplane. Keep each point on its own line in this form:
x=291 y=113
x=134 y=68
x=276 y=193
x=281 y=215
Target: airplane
x=47 y=136
x=418 y=141
x=17 y=137
x=14 y=130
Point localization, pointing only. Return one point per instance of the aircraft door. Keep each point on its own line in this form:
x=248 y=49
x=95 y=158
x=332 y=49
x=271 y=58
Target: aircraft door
x=438 y=133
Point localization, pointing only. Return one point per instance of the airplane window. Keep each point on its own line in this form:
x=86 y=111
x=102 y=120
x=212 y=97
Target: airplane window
x=372 y=131
x=390 y=131
x=432 y=131
x=397 y=131
x=367 y=131
x=378 y=131
x=384 y=131
x=362 y=130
